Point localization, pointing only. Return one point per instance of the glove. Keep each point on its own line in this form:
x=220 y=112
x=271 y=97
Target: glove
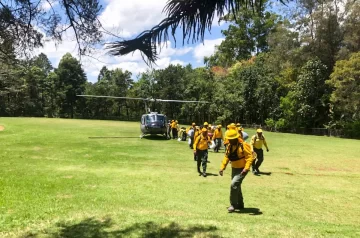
x=221 y=172
x=244 y=172
x=194 y=152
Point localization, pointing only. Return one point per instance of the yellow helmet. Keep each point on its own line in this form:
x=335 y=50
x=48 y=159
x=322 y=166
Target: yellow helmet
x=218 y=126
x=176 y=121
x=238 y=124
x=232 y=134
x=232 y=126
x=206 y=124
x=193 y=124
x=259 y=131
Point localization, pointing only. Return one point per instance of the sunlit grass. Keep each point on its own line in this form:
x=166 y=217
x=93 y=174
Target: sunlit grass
x=55 y=181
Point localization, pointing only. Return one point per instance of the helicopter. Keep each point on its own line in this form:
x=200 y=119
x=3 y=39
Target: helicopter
x=151 y=123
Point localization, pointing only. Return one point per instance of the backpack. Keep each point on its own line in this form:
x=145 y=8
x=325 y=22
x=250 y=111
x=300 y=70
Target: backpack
x=233 y=156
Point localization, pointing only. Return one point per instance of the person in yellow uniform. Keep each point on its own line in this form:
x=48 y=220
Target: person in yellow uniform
x=240 y=155
x=196 y=135
x=232 y=126
x=201 y=150
x=257 y=142
x=240 y=130
x=174 y=129
x=217 y=137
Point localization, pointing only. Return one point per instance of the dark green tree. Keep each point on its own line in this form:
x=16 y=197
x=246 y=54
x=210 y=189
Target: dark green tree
x=71 y=82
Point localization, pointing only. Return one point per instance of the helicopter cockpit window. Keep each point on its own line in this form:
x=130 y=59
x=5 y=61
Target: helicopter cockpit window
x=150 y=118
x=161 y=118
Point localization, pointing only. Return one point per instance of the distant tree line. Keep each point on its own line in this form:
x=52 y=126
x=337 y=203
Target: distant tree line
x=298 y=71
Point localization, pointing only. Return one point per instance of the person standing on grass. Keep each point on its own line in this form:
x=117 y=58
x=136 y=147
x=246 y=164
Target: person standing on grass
x=217 y=137
x=174 y=129
x=257 y=142
x=240 y=155
x=201 y=145
x=191 y=134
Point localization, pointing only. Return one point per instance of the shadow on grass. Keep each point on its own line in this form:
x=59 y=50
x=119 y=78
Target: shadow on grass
x=251 y=211
x=210 y=174
x=93 y=228
x=265 y=173
x=155 y=137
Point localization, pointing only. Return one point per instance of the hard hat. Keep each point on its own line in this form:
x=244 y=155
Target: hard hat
x=259 y=131
x=219 y=126
x=204 y=129
x=232 y=134
x=193 y=124
x=206 y=124
x=176 y=121
x=172 y=120
x=238 y=124
x=232 y=126
x=197 y=127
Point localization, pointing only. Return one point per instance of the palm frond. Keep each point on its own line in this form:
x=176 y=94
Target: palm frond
x=192 y=16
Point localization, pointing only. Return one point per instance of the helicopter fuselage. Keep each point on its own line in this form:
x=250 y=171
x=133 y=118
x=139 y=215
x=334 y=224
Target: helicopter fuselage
x=153 y=124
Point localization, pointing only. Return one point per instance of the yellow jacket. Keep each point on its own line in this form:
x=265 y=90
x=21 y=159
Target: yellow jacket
x=173 y=125
x=245 y=156
x=257 y=142
x=196 y=134
x=217 y=134
x=201 y=143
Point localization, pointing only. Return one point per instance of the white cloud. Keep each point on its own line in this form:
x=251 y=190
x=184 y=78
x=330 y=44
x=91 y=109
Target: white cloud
x=206 y=49
x=47 y=5
x=130 y=17
x=132 y=62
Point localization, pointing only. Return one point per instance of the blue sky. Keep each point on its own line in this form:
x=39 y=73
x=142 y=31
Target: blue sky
x=128 y=18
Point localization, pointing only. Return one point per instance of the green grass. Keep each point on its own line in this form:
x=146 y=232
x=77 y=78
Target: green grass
x=56 y=182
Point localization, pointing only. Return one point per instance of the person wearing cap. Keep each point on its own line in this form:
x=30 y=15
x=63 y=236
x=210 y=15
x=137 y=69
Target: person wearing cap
x=174 y=129
x=201 y=145
x=257 y=142
x=240 y=129
x=217 y=137
x=239 y=154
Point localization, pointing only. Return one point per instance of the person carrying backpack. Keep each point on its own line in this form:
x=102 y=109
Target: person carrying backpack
x=217 y=137
x=257 y=142
x=201 y=145
x=239 y=154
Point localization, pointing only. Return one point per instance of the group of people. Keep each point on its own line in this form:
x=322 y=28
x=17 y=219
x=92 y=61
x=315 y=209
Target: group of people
x=241 y=155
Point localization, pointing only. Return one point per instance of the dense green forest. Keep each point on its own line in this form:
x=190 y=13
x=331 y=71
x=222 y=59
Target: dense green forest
x=286 y=71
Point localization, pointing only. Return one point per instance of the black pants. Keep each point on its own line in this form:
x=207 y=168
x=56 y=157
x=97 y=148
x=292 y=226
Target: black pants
x=191 y=142
x=236 y=197
x=174 y=133
x=218 y=144
x=201 y=157
x=259 y=159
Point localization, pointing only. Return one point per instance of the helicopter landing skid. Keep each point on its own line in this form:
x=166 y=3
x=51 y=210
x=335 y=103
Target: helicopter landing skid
x=142 y=135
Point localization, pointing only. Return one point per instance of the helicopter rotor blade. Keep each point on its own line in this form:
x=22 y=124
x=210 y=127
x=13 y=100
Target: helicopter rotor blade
x=95 y=96
x=165 y=100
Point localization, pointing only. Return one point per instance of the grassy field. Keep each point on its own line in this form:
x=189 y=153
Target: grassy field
x=56 y=182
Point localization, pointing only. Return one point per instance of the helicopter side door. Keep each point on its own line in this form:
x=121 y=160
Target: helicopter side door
x=142 y=125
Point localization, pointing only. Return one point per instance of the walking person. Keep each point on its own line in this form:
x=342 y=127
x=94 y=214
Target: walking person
x=239 y=154
x=217 y=137
x=201 y=151
x=257 y=142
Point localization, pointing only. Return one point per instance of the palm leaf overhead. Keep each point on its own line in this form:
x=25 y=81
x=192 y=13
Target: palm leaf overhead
x=192 y=16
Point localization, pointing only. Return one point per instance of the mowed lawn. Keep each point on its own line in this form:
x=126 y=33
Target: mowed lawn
x=56 y=182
